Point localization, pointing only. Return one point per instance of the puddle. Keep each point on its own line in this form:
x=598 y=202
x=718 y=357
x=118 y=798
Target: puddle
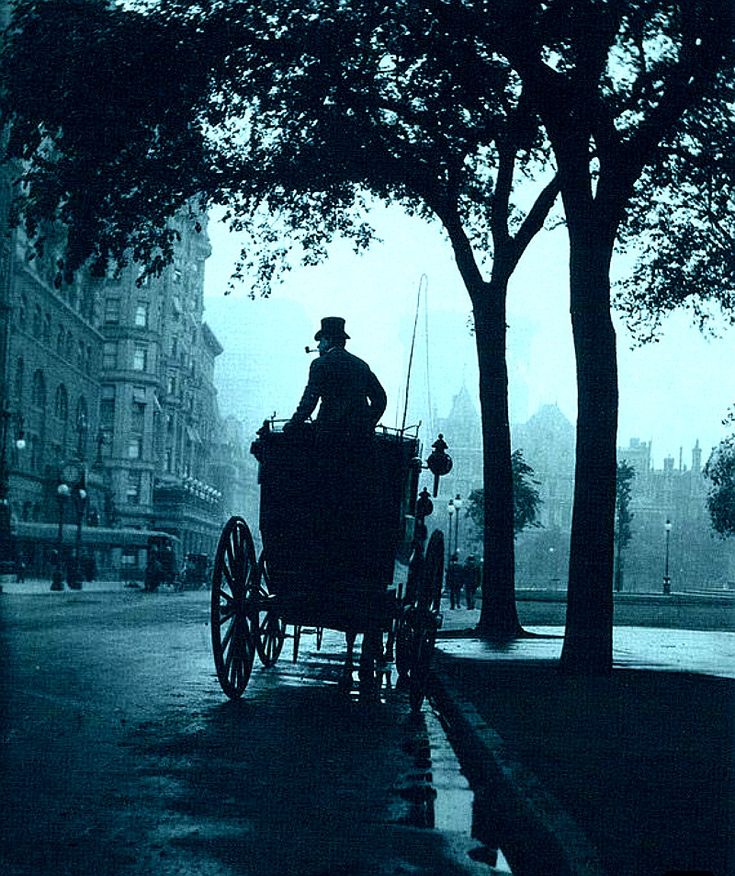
x=437 y=795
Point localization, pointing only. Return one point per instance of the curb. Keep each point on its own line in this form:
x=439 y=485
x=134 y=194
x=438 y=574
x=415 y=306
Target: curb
x=533 y=826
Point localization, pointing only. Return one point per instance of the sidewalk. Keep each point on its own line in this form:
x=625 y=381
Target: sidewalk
x=624 y=775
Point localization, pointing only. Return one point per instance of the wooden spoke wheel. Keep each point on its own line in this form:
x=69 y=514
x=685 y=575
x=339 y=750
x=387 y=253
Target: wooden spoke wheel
x=404 y=643
x=432 y=573
x=422 y=620
x=233 y=582
x=423 y=651
x=270 y=629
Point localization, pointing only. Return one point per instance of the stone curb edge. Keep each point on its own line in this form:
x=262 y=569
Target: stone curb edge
x=536 y=829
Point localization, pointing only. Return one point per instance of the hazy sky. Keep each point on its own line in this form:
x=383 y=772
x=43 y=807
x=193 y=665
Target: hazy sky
x=673 y=392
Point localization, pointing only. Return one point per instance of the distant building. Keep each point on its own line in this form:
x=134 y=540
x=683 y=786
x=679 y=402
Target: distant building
x=116 y=374
x=698 y=558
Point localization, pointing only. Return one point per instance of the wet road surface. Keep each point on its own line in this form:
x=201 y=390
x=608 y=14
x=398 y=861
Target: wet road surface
x=120 y=754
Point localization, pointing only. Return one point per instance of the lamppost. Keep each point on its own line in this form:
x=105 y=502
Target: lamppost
x=667 y=577
x=458 y=506
x=7 y=547
x=72 y=485
x=450 y=510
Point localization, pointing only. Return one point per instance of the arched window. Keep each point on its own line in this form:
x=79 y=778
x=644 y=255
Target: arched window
x=38 y=391
x=19 y=378
x=61 y=403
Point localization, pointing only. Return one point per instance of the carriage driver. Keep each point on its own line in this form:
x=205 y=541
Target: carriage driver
x=352 y=399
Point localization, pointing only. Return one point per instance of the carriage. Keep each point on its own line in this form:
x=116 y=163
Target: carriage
x=333 y=523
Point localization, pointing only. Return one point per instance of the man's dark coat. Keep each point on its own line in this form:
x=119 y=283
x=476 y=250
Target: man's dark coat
x=352 y=399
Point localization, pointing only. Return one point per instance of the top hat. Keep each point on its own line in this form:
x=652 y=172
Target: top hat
x=333 y=327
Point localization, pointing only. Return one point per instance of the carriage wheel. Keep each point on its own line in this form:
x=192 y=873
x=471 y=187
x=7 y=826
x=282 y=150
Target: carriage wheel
x=422 y=621
x=270 y=629
x=423 y=651
x=432 y=574
x=233 y=638
x=404 y=644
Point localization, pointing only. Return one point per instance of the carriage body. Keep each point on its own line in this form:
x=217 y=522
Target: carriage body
x=334 y=520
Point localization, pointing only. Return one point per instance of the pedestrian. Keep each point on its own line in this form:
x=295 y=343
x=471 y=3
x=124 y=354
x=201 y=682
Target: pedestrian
x=153 y=570
x=454 y=581
x=20 y=570
x=473 y=580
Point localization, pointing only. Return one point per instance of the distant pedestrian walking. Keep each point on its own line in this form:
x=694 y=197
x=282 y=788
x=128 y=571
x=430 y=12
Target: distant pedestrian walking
x=454 y=581
x=20 y=570
x=472 y=580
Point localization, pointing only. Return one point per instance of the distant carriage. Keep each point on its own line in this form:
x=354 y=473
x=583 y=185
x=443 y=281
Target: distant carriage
x=333 y=523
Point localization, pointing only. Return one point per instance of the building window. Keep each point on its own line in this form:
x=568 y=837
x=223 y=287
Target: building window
x=80 y=355
x=69 y=346
x=132 y=492
x=129 y=557
x=140 y=357
x=135 y=446
x=109 y=355
x=19 y=377
x=60 y=338
x=61 y=403
x=137 y=417
x=38 y=392
x=107 y=405
x=141 y=314
x=112 y=311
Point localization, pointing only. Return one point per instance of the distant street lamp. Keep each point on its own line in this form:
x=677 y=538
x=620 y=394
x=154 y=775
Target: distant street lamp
x=72 y=486
x=57 y=576
x=7 y=545
x=667 y=577
x=458 y=506
x=450 y=510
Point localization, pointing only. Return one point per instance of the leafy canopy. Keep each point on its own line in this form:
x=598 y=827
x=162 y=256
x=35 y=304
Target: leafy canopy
x=720 y=470
x=300 y=111
x=526 y=497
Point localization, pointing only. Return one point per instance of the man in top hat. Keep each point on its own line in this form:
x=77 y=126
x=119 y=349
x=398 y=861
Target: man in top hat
x=352 y=399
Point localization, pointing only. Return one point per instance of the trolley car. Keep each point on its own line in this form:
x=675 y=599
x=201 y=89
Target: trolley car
x=333 y=522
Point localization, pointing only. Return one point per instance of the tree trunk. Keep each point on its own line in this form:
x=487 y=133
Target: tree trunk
x=498 y=617
x=588 y=639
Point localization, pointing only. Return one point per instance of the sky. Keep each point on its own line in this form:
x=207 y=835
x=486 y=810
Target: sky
x=672 y=393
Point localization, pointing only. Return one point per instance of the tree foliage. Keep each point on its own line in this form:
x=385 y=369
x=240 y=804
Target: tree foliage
x=623 y=517
x=526 y=498
x=684 y=236
x=720 y=470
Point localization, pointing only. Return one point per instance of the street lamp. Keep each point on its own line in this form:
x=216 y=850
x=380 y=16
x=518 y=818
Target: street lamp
x=667 y=577
x=72 y=486
x=458 y=506
x=57 y=577
x=450 y=510
x=7 y=546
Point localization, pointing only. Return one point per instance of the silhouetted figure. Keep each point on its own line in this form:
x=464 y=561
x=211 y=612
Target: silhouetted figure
x=472 y=580
x=352 y=398
x=454 y=581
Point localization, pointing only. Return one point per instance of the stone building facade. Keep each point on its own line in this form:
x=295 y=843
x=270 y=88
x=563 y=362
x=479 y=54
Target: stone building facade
x=698 y=559
x=116 y=376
